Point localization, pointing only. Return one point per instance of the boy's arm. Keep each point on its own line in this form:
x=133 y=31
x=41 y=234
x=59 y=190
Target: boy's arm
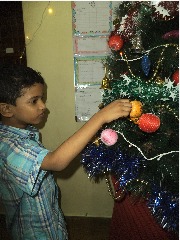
x=68 y=150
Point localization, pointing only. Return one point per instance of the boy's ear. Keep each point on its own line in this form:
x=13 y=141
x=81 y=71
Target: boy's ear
x=6 y=110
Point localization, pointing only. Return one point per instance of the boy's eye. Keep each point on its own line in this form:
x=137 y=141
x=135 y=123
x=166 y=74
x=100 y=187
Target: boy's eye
x=33 y=101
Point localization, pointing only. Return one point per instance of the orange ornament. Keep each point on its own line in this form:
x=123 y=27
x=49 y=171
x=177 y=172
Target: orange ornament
x=136 y=110
x=134 y=120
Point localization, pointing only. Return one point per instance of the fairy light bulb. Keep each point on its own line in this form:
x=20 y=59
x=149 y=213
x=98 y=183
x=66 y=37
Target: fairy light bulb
x=50 y=10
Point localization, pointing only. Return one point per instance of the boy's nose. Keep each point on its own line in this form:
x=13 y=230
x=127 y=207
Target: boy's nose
x=42 y=105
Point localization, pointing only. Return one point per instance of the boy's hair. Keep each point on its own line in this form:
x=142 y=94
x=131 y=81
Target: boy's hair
x=13 y=79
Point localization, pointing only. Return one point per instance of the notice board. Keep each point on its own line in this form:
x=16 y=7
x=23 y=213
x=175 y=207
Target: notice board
x=92 y=23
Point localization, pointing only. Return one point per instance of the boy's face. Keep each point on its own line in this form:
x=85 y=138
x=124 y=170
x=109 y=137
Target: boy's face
x=29 y=108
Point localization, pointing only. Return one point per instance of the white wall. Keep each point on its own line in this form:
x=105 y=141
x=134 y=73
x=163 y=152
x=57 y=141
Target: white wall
x=50 y=51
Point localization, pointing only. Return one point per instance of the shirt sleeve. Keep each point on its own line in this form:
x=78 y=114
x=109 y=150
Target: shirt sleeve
x=23 y=166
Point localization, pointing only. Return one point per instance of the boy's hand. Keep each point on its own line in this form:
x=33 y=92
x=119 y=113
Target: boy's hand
x=116 y=109
x=68 y=150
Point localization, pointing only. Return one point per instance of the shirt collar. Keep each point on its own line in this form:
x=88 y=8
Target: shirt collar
x=29 y=132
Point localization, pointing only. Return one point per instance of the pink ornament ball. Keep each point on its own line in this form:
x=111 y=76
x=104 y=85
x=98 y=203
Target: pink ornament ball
x=149 y=122
x=109 y=137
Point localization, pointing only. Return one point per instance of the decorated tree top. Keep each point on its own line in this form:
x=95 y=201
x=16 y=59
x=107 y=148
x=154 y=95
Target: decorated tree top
x=150 y=34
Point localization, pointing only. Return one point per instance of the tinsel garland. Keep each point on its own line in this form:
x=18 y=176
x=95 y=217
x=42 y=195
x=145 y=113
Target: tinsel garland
x=99 y=159
x=165 y=207
x=137 y=89
x=102 y=159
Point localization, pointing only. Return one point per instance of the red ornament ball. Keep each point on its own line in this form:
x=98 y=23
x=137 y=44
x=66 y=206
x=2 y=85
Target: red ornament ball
x=149 y=122
x=115 y=42
x=175 y=77
x=109 y=137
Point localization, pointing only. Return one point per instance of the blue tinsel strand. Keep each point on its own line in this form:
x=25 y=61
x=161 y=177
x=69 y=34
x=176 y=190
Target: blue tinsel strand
x=101 y=159
x=165 y=207
x=146 y=64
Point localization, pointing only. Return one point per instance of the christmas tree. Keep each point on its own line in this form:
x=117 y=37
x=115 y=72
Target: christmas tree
x=141 y=151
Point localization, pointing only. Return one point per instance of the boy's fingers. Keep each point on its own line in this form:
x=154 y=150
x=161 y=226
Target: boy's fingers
x=129 y=105
x=124 y=100
x=125 y=113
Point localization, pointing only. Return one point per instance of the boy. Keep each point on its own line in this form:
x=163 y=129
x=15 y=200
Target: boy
x=27 y=188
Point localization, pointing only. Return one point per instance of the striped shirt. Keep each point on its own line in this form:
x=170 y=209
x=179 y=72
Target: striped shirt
x=29 y=194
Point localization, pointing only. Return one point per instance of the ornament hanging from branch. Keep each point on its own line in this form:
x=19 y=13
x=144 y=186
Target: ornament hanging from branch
x=115 y=42
x=105 y=82
x=171 y=34
x=137 y=45
x=149 y=122
x=109 y=137
x=175 y=77
x=145 y=63
x=136 y=111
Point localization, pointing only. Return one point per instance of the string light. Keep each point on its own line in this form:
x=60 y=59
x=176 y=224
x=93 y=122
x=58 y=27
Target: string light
x=125 y=59
x=158 y=156
x=110 y=189
x=50 y=11
x=40 y=23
